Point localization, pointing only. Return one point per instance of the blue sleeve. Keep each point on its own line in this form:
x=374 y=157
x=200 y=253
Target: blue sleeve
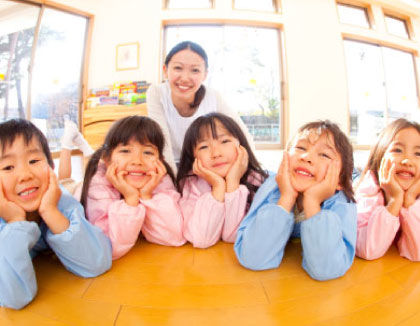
x=264 y=232
x=329 y=239
x=17 y=277
x=83 y=248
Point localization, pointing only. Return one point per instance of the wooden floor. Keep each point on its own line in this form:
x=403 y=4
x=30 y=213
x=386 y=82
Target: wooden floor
x=156 y=285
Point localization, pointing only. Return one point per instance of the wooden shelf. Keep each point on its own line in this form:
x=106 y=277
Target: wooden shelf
x=98 y=120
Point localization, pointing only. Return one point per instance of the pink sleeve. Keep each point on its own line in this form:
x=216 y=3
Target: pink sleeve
x=164 y=224
x=409 y=242
x=120 y=222
x=235 y=206
x=376 y=227
x=203 y=215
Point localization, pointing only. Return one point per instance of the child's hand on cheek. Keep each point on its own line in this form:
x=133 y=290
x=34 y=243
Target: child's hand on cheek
x=51 y=196
x=394 y=194
x=9 y=211
x=237 y=170
x=48 y=209
x=288 y=194
x=131 y=195
x=412 y=193
x=156 y=176
x=217 y=183
x=315 y=195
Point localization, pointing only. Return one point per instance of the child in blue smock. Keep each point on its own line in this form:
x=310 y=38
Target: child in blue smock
x=36 y=214
x=310 y=197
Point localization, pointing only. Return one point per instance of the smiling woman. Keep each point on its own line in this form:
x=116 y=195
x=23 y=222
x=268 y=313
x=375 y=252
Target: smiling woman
x=183 y=97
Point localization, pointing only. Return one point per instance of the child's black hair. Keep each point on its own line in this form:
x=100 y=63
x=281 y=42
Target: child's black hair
x=11 y=129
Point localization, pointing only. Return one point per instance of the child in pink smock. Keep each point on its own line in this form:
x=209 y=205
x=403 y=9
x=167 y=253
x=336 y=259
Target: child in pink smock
x=388 y=204
x=218 y=175
x=128 y=187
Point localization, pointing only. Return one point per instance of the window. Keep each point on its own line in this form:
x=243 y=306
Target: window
x=396 y=26
x=188 y=4
x=382 y=87
x=353 y=15
x=54 y=87
x=261 y=5
x=17 y=26
x=244 y=66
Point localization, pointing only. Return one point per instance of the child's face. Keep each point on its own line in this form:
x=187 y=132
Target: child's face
x=310 y=156
x=186 y=72
x=217 y=155
x=404 y=151
x=136 y=159
x=24 y=172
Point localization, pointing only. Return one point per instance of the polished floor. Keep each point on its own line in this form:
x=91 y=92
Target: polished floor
x=156 y=285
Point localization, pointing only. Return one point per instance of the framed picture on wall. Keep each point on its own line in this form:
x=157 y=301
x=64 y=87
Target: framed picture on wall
x=128 y=56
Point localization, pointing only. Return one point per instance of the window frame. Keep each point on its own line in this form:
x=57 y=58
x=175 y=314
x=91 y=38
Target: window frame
x=366 y=9
x=283 y=114
x=46 y=4
x=378 y=35
x=407 y=23
x=357 y=146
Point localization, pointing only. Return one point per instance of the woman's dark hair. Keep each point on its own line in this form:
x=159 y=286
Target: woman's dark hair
x=11 y=129
x=199 y=95
x=138 y=128
x=195 y=131
x=385 y=138
x=343 y=147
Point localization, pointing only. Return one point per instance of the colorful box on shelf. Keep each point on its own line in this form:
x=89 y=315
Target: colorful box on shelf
x=108 y=100
x=130 y=93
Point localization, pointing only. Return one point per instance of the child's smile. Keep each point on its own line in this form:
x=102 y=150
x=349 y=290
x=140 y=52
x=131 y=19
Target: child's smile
x=303 y=172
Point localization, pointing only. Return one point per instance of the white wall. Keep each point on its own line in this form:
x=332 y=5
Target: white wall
x=122 y=21
x=315 y=63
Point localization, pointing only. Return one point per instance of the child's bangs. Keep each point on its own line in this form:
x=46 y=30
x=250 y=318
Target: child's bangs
x=8 y=137
x=14 y=128
x=206 y=128
x=142 y=130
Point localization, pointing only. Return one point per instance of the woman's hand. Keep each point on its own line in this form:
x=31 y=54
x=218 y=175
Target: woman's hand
x=10 y=211
x=288 y=193
x=237 y=170
x=156 y=177
x=316 y=194
x=394 y=194
x=411 y=194
x=217 y=183
x=131 y=195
